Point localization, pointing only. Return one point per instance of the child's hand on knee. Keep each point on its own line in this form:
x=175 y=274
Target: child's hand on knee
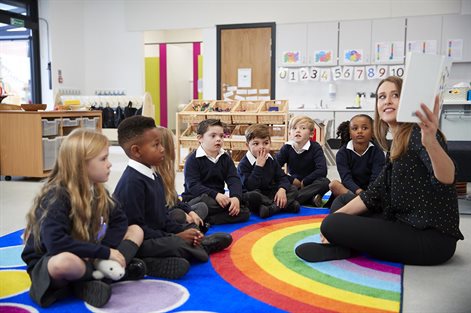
x=191 y=236
x=234 y=208
x=223 y=200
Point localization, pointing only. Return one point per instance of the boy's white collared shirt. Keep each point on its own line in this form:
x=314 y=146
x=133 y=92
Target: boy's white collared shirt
x=350 y=147
x=141 y=168
x=201 y=153
x=253 y=159
x=306 y=146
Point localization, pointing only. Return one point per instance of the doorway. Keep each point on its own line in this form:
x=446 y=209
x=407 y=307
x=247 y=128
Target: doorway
x=246 y=60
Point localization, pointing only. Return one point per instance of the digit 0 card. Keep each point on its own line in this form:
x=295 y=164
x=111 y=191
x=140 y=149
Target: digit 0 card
x=424 y=78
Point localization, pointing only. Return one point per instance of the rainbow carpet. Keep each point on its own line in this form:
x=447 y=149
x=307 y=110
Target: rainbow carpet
x=259 y=273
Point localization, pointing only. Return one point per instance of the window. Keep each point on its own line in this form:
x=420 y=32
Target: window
x=19 y=51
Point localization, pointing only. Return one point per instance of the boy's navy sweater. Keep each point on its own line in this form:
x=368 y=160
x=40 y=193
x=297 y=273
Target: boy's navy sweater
x=205 y=177
x=359 y=171
x=307 y=166
x=268 y=179
x=56 y=232
x=143 y=201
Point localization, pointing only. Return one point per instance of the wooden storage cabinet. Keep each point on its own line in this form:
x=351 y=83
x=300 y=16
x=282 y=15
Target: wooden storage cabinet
x=242 y=114
x=29 y=141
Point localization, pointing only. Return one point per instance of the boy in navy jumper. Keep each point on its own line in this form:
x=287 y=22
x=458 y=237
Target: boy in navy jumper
x=359 y=160
x=140 y=190
x=267 y=189
x=207 y=170
x=306 y=162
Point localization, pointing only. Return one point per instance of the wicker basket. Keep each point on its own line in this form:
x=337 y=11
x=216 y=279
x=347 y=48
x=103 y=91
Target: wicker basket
x=220 y=110
x=277 y=134
x=273 y=112
x=238 y=138
x=191 y=115
x=198 y=106
x=245 y=112
x=188 y=138
x=238 y=155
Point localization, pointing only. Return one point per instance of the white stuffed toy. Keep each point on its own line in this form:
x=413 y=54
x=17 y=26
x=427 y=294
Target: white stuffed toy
x=107 y=269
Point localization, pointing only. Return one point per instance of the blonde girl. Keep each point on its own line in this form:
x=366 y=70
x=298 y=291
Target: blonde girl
x=178 y=210
x=74 y=220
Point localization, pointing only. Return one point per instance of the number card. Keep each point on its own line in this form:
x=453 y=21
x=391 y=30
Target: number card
x=347 y=73
x=396 y=70
x=370 y=72
x=337 y=73
x=359 y=73
x=293 y=75
x=303 y=74
x=325 y=75
x=314 y=73
x=283 y=73
x=381 y=71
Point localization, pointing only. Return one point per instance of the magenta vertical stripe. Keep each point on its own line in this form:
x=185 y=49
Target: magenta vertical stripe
x=196 y=53
x=163 y=84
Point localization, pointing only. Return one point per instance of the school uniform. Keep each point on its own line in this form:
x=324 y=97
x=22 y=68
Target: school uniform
x=357 y=170
x=141 y=194
x=308 y=165
x=205 y=177
x=56 y=237
x=265 y=181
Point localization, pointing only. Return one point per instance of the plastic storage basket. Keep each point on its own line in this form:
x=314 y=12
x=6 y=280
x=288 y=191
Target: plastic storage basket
x=50 y=127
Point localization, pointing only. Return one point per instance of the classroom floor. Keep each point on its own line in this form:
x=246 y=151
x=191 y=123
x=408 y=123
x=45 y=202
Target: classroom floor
x=443 y=288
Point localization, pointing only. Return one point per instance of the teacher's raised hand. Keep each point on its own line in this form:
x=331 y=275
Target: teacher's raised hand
x=429 y=123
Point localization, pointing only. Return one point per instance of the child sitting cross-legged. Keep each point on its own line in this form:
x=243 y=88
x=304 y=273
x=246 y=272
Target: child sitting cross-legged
x=180 y=211
x=207 y=170
x=168 y=246
x=359 y=160
x=306 y=162
x=74 y=221
x=267 y=188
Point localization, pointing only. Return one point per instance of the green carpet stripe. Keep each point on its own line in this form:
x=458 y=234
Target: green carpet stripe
x=283 y=251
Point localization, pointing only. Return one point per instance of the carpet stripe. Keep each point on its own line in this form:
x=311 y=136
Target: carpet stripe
x=246 y=265
x=329 y=273
x=265 y=246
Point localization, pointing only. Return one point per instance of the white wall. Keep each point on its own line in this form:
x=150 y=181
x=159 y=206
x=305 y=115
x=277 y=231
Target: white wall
x=66 y=30
x=99 y=44
x=179 y=78
x=113 y=56
x=167 y=14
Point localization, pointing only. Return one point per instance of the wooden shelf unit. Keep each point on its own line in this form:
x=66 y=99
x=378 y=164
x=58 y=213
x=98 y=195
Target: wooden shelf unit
x=186 y=122
x=22 y=137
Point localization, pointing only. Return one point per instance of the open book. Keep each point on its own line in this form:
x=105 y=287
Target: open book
x=424 y=78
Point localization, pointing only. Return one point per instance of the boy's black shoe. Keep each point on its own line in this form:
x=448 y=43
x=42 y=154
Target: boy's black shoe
x=295 y=207
x=135 y=270
x=216 y=242
x=264 y=211
x=252 y=200
x=204 y=228
x=170 y=268
x=94 y=292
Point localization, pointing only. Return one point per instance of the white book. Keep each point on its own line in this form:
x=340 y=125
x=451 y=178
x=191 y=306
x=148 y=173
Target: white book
x=424 y=78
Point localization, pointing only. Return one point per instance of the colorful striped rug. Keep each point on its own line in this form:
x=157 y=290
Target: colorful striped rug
x=259 y=273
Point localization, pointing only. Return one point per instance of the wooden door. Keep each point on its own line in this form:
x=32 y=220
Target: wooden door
x=246 y=46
